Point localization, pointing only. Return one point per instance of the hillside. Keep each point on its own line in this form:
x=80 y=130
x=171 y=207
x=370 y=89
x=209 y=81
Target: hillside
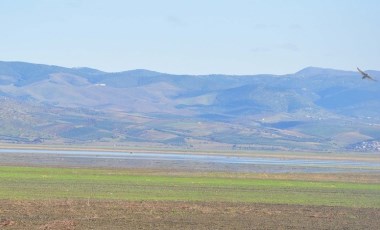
x=314 y=109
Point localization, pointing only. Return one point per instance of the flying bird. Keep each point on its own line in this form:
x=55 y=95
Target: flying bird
x=365 y=75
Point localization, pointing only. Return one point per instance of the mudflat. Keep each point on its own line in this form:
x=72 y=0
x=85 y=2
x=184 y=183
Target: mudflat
x=198 y=161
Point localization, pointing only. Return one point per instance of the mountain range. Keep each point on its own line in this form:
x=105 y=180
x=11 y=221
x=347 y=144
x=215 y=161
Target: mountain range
x=314 y=109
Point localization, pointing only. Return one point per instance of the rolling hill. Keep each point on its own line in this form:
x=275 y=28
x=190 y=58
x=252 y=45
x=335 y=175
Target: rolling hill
x=315 y=109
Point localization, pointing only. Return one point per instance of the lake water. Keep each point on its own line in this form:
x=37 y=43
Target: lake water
x=181 y=161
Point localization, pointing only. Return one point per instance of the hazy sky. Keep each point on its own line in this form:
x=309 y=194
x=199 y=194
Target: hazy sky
x=193 y=36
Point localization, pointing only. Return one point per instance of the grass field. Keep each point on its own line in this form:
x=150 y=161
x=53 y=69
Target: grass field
x=33 y=183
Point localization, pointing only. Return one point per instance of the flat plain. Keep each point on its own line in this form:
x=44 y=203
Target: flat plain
x=46 y=197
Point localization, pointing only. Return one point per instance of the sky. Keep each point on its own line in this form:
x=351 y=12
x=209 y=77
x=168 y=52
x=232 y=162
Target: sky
x=236 y=37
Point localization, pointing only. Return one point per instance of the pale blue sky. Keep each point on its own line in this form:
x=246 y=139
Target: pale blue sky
x=193 y=36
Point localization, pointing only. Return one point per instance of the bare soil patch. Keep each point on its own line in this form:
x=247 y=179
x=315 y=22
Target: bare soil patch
x=91 y=214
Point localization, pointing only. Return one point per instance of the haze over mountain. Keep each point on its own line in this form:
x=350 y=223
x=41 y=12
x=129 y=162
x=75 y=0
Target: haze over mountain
x=313 y=109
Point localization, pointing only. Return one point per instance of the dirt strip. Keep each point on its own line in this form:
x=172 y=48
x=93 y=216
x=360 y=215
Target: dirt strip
x=91 y=214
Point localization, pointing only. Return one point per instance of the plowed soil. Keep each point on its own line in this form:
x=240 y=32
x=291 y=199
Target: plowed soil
x=90 y=214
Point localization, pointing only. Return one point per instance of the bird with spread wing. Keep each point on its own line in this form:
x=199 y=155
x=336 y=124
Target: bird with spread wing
x=365 y=75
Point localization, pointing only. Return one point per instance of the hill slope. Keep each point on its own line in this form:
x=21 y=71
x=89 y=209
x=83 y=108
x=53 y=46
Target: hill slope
x=313 y=109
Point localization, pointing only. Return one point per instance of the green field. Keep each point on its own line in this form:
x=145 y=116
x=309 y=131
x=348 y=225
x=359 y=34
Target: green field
x=29 y=183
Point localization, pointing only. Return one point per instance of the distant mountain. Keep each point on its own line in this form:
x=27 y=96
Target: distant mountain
x=313 y=109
